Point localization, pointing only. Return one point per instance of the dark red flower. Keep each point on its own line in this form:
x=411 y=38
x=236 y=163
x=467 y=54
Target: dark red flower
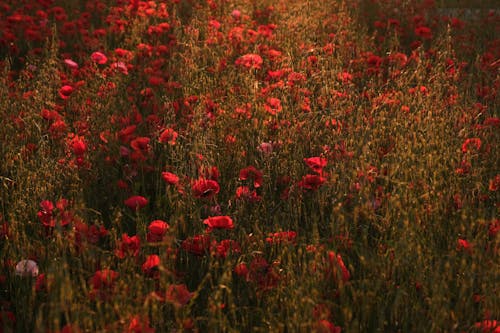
x=311 y=182
x=157 y=230
x=129 y=246
x=150 y=266
x=219 y=222
x=139 y=324
x=102 y=283
x=198 y=245
x=136 y=202
x=168 y=136
x=252 y=173
x=205 y=188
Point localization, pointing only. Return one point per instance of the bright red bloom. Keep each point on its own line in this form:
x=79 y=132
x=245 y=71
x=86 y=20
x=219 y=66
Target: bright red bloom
x=99 y=58
x=494 y=184
x=219 y=222
x=78 y=145
x=170 y=178
x=157 y=230
x=178 y=294
x=311 y=182
x=316 y=163
x=168 y=136
x=423 y=32
x=66 y=91
x=464 y=245
x=150 y=266
x=129 y=246
x=273 y=105
x=45 y=214
x=136 y=202
x=250 y=61
x=251 y=172
x=205 y=188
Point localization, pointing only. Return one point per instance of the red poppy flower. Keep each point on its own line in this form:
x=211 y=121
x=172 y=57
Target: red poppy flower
x=66 y=91
x=197 y=245
x=170 y=178
x=273 y=105
x=205 y=188
x=311 y=182
x=281 y=237
x=316 y=163
x=136 y=202
x=335 y=262
x=225 y=247
x=102 y=283
x=168 y=136
x=250 y=61
x=251 y=172
x=78 y=145
x=99 y=58
x=150 y=266
x=157 y=230
x=139 y=325
x=219 y=222
x=129 y=246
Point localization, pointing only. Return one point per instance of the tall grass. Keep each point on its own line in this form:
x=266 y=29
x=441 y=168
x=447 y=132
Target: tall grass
x=348 y=150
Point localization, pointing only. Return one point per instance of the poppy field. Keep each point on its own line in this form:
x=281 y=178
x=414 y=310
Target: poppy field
x=249 y=166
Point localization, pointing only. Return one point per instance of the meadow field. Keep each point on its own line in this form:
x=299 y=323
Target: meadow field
x=249 y=166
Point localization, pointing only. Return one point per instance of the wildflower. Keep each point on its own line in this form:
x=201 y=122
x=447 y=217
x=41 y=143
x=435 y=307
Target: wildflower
x=169 y=136
x=150 y=266
x=335 y=263
x=474 y=142
x=27 y=268
x=250 y=61
x=71 y=64
x=139 y=325
x=219 y=222
x=488 y=326
x=494 y=183
x=197 y=245
x=316 y=163
x=252 y=173
x=136 y=202
x=178 y=295
x=78 y=145
x=102 y=283
x=98 y=58
x=205 y=188
x=129 y=246
x=157 y=230
x=311 y=182
x=281 y=237
x=244 y=193
x=66 y=91
x=464 y=245
x=241 y=270
x=423 y=32
x=170 y=178
x=273 y=105
x=225 y=247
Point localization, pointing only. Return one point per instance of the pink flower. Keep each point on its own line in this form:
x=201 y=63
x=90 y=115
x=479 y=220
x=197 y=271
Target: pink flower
x=27 y=268
x=70 y=63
